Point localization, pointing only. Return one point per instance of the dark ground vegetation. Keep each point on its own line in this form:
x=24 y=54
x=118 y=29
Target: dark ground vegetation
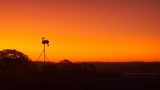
x=18 y=72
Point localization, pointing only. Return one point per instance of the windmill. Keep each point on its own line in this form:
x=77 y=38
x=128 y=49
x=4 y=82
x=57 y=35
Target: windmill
x=44 y=42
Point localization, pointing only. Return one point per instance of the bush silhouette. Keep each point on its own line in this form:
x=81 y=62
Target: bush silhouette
x=15 y=61
x=12 y=56
x=69 y=70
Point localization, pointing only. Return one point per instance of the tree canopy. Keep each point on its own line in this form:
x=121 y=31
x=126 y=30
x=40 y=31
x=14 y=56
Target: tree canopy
x=13 y=56
x=13 y=60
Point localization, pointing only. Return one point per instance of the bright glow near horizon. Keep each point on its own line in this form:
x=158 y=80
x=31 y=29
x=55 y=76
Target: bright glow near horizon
x=83 y=30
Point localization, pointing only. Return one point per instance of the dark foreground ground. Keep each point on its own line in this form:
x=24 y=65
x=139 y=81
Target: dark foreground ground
x=108 y=84
x=81 y=76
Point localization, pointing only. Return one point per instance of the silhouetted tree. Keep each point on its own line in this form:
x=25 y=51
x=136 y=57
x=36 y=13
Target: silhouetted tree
x=12 y=56
x=66 y=66
x=66 y=62
x=15 y=61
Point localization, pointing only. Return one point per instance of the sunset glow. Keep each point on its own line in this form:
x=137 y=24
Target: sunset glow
x=83 y=30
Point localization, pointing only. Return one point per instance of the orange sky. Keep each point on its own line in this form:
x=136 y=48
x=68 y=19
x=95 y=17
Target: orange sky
x=83 y=30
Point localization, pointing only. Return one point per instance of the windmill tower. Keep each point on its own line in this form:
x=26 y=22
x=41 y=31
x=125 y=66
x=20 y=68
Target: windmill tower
x=44 y=42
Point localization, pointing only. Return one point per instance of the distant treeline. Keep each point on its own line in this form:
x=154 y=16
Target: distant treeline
x=123 y=67
x=128 y=67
